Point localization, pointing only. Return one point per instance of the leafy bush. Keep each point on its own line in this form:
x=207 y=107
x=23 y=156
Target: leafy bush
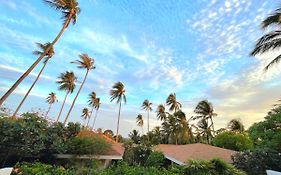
x=136 y=154
x=40 y=169
x=155 y=159
x=233 y=140
x=267 y=134
x=87 y=145
x=258 y=161
x=124 y=169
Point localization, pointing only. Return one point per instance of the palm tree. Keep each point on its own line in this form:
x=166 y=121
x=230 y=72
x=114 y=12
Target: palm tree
x=66 y=83
x=135 y=136
x=48 y=55
x=85 y=115
x=51 y=99
x=97 y=107
x=173 y=103
x=204 y=130
x=87 y=63
x=146 y=105
x=236 y=125
x=69 y=9
x=118 y=92
x=92 y=96
x=139 y=121
x=161 y=114
x=270 y=41
x=204 y=109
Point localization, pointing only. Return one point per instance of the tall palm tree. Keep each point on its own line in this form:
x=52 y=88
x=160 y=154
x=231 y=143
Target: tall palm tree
x=118 y=92
x=161 y=113
x=92 y=96
x=97 y=107
x=70 y=10
x=236 y=125
x=204 y=130
x=204 y=109
x=85 y=115
x=173 y=103
x=146 y=105
x=272 y=40
x=87 y=63
x=66 y=83
x=48 y=55
x=139 y=121
x=51 y=99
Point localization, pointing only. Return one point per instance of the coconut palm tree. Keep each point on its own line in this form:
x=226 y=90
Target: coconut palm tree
x=66 y=83
x=85 y=115
x=135 y=136
x=146 y=105
x=51 y=99
x=204 y=109
x=87 y=63
x=161 y=114
x=70 y=10
x=118 y=92
x=139 y=120
x=236 y=125
x=173 y=103
x=92 y=96
x=204 y=130
x=48 y=55
x=272 y=40
x=96 y=105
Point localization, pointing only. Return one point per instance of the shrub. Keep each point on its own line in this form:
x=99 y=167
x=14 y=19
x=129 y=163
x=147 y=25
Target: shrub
x=87 y=145
x=136 y=154
x=258 y=161
x=155 y=159
x=233 y=140
x=40 y=169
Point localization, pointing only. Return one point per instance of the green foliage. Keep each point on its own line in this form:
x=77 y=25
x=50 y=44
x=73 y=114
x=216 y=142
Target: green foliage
x=40 y=169
x=267 y=134
x=24 y=136
x=233 y=140
x=123 y=169
x=257 y=161
x=212 y=167
x=136 y=154
x=155 y=159
x=87 y=145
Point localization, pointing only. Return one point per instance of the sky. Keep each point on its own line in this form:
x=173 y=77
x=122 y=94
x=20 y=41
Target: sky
x=196 y=49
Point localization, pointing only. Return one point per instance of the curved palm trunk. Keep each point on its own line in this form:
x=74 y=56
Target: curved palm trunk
x=117 y=132
x=29 y=90
x=95 y=119
x=48 y=111
x=26 y=73
x=62 y=106
x=90 y=117
x=72 y=105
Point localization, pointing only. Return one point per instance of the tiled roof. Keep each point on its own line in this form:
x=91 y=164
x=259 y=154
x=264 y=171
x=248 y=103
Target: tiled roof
x=181 y=154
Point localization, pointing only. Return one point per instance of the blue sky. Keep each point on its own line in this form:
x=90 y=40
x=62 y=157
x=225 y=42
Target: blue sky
x=197 y=49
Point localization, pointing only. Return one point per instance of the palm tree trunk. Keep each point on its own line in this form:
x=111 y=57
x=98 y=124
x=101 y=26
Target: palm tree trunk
x=117 y=132
x=29 y=90
x=23 y=76
x=212 y=123
x=62 y=105
x=95 y=118
x=90 y=117
x=148 y=125
x=72 y=105
x=48 y=111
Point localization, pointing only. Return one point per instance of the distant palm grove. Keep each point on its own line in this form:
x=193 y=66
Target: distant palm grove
x=177 y=127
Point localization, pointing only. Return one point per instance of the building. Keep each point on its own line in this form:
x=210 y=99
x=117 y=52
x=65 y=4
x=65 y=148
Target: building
x=181 y=154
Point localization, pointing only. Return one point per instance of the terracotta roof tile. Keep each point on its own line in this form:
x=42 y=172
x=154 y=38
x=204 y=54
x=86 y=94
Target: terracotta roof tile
x=197 y=151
